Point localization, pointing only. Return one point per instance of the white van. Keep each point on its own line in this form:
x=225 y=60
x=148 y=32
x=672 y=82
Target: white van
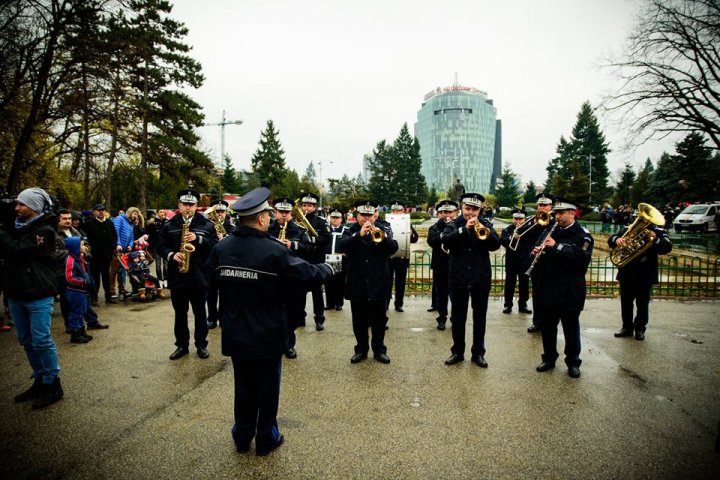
x=700 y=217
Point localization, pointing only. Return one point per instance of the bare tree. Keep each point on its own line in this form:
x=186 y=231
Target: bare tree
x=670 y=71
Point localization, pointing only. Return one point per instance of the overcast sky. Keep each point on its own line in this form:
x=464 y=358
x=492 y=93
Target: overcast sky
x=338 y=76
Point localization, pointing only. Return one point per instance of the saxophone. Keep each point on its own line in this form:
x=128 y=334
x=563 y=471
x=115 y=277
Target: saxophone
x=186 y=247
x=219 y=228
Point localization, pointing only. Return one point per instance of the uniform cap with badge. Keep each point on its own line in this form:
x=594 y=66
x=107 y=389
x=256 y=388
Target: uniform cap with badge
x=309 y=197
x=221 y=206
x=335 y=213
x=283 y=204
x=188 y=196
x=472 y=199
x=446 y=205
x=517 y=213
x=253 y=202
x=397 y=205
x=366 y=207
x=544 y=199
x=562 y=203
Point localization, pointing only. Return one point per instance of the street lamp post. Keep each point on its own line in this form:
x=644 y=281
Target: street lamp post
x=590 y=179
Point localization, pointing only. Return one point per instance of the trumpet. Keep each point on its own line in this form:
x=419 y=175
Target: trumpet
x=541 y=218
x=376 y=234
x=481 y=231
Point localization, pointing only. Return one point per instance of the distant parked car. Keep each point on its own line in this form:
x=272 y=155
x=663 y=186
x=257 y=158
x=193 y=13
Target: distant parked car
x=699 y=217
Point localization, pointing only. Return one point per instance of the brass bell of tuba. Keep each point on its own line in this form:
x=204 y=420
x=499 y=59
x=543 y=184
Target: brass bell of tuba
x=638 y=237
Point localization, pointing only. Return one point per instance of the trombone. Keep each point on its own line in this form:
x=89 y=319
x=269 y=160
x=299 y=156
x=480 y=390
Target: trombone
x=541 y=218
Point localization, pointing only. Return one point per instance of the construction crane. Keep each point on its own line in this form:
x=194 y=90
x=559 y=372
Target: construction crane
x=222 y=124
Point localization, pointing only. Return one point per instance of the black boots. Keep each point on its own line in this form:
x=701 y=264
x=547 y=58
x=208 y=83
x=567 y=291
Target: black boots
x=49 y=394
x=80 y=336
x=31 y=393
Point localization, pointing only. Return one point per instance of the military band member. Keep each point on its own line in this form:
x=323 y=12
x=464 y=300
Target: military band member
x=399 y=266
x=439 y=263
x=250 y=267
x=221 y=209
x=188 y=288
x=469 y=276
x=316 y=252
x=516 y=264
x=558 y=275
x=295 y=239
x=368 y=247
x=544 y=204
x=636 y=281
x=335 y=288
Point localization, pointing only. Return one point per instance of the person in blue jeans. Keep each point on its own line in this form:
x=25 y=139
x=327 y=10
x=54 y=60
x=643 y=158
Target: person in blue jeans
x=78 y=285
x=31 y=261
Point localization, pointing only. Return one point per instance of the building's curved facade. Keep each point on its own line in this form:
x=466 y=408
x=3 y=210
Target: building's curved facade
x=459 y=136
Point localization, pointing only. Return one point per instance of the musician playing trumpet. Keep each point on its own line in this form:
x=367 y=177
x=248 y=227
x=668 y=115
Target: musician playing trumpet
x=516 y=263
x=224 y=226
x=562 y=256
x=636 y=280
x=544 y=206
x=469 y=239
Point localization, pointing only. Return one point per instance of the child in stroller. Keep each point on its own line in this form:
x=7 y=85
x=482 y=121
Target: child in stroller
x=144 y=285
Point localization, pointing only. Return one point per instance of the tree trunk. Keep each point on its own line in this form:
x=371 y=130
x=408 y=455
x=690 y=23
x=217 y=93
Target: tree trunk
x=144 y=149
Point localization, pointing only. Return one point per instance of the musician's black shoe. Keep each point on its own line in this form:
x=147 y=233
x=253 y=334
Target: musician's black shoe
x=545 y=366
x=574 y=372
x=479 y=361
x=212 y=325
x=291 y=353
x=624 y=332
x=338 y=308
x=507 y=309
x=399 y=309
x=242 y=448
x=454 y=358
x=202 y=352
x=441 y=321
x=640 y=336
x=261 y=452
x=382 y=357
x=319 y=327
x=358 y=357
x=524 y=310
x=179 y=353
x=533 y=328
x=329 y=307
x=431 y=309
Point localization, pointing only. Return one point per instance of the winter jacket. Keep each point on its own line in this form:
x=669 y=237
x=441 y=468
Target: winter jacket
x=30 y=269
x=643 y=270
x=469 y=257
x=102 y=237
x=125 y=232
x=77 y=277
x=169 y=244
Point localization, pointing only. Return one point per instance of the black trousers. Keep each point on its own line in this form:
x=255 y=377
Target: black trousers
x=213 y=313
x=335 y=290
x=633 y=292
x=537 y=314
x=318 y=305
x=513 y=277
x=369 y=314
x=257 y=396
x=294 y=299
x=398 y=272
x=442 y=291
x=570 y=320
x=460 y=299
x=182 y=298
x=100 y=270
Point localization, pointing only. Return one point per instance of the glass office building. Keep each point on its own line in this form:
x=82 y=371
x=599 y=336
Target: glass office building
x=460 y=138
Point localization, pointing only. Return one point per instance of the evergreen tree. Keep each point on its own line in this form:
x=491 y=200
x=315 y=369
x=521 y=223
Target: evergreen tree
x=410 y=184
x=309 y=181
x=624 y=187
x=291 y=186
x=382 y=173
x=589 y=147
x=268 y=162
x=639 y=191
x=432 y=197
x=230 y=180
x=696 y=169
x=530 y=192
x=664 y=183
x=560 y=165
x=507 y=192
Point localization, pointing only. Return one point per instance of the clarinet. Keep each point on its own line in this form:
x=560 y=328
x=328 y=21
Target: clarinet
x=542 y=249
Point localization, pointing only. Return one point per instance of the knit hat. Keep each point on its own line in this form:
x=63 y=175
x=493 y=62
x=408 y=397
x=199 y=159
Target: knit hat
x=36 y=199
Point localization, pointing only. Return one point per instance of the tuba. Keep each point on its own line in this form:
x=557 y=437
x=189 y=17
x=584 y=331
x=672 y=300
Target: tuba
x=638 y=237
x=186 y=247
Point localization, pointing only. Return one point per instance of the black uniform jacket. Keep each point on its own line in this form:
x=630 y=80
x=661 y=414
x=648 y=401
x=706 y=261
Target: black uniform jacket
x=440 y=258
x=169 y=244
x=644 y=269
x=30 y=272
x=298 y=236
x=316 y=245
x=517 y=260
x=558 y=277
x=101 y=236
x=251 y=269
x=469 y=257
x=368 y=269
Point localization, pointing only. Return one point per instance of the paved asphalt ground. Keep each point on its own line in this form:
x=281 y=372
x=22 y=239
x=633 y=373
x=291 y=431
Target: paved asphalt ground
x=640 y=410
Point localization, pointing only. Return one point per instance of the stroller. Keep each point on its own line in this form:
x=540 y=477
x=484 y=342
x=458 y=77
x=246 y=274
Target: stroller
x=145 y=287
